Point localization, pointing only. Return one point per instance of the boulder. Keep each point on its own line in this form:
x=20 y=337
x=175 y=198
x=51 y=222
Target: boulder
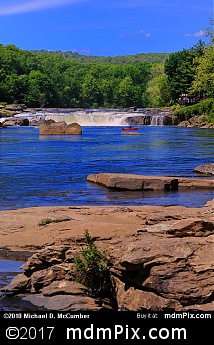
x=184 y=124
x=17 y=285
x=207 y=169
x=60 y=128
x=45 y=277
x=44 y=258
x=14 y=121
x=64 y=287
x=38 y=122
x=15 y=107
x=132 y=299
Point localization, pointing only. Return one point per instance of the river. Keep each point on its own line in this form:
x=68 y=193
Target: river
x=51 y=170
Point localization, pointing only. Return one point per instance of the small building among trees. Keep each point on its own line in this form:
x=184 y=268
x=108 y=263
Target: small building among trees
x=185 y=99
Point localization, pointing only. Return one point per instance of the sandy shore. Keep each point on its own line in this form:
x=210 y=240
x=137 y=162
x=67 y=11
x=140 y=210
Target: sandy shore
x=24 y=230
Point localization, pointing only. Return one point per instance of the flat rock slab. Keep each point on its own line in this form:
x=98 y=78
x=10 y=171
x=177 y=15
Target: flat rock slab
x=196 y=183
x=205 y=169
x=140 y=182
x=62 y=302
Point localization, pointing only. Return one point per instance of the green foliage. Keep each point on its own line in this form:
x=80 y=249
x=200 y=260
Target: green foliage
x=91 y=264
x=191 y=72
x=68 y=80
x=158 y=94
x=121 y=60
x=205 y=107
x=203 y=83
x=179 y=68
x=56 y=80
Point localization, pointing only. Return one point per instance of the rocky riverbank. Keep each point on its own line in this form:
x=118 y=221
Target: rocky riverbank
x=9 y=116
x=158 y=258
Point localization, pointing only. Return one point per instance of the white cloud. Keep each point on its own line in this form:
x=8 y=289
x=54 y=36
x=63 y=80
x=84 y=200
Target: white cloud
x=24 y=6
x=146 y=34
x=135 y=34
x=196 y=34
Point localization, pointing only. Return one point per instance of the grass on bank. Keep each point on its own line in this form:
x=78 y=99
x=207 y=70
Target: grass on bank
x=47 y=221
x=205 y=108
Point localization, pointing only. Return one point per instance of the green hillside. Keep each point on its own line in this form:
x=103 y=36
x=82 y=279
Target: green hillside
x=123 y=59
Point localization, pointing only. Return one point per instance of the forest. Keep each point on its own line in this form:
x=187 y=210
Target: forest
x=69 y=80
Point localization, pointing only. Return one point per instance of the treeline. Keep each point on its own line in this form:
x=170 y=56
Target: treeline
x=121 y=59
x=46 y=80
x=52 y=79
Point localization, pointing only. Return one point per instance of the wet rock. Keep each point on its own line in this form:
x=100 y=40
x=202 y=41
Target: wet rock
x=18 y=284
x=38 y=122
x=60 y=128
x=15 y=107
x=13 y=121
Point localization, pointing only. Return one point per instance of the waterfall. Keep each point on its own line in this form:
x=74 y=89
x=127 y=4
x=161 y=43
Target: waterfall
x=157 y=120
x=82 y=117
x=98 y=117
x=91 y=118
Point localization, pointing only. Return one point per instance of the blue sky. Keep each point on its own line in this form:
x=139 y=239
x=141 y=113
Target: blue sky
x=104 y=27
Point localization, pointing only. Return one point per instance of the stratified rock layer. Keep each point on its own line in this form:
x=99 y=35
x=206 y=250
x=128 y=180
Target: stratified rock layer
x=164 y=264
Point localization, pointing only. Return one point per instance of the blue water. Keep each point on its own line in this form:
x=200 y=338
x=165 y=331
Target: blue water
x=51 y=170
x=10 y=266
x=8 y=270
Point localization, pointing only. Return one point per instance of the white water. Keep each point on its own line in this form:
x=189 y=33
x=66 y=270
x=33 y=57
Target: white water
x=92 y=117
x=157 y=120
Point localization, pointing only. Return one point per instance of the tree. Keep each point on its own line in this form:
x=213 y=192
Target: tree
x=105 y=87
x=179 y=69
x=203 y=83
x=157 y=87
x=90 y=91
x=210 y=30
x=39 y=92
x=126 y=92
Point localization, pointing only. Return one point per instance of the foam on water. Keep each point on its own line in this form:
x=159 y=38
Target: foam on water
x=92 y=117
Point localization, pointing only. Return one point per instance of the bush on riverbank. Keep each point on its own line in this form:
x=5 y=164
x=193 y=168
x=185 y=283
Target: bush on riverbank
x=205 y=107
x=91 y=264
